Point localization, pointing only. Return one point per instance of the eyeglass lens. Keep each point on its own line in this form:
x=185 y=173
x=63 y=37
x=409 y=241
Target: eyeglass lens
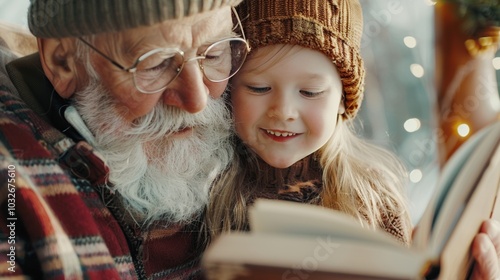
x=221 y=61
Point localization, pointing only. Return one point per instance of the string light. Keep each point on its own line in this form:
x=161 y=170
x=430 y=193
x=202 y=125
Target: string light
x=463 y=130
x=496 y=63
x=412 y=125
x=416 y=175
x=410 y=42
x=417 y=70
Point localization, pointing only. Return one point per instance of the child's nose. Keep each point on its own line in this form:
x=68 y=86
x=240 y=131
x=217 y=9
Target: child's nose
x=283 y=108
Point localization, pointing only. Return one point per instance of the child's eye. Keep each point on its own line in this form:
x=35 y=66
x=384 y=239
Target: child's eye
x=311 y=94
x=258 y=89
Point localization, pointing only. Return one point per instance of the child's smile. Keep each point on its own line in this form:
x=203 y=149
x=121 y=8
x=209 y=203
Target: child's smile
x=280 y=136
x=286 y=101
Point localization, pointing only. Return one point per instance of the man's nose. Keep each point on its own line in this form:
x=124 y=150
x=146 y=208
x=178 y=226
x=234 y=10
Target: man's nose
x=188 y=91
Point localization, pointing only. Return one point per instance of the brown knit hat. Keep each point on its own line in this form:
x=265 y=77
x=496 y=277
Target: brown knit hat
x=73 y=18
x=333 y=27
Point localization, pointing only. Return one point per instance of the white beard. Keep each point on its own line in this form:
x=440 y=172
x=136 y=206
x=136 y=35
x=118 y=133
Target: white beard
x=159 y=178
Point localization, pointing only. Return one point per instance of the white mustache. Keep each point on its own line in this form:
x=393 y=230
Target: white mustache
x=166 y=120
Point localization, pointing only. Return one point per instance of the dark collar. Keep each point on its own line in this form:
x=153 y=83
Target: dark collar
x=35 y=89
x=301 y=182
x=37 y=92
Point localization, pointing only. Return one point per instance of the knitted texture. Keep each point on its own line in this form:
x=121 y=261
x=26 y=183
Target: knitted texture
x=333 y=27
x=73 y=18
x=62 y=227
x=302 y=182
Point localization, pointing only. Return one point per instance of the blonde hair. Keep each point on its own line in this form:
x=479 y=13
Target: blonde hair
x=359 y=179
x=362 y=179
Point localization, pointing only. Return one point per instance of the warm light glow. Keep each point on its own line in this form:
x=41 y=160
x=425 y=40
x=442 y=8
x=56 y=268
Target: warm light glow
x=463 y=130
x=430 y=2
x=410 y=42
x=496 y=63
x=494 y=103
x=417 y=70
x=412 y=125
x=416 y=175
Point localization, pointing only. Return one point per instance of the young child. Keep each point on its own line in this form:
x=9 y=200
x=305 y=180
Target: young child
x=293 y=103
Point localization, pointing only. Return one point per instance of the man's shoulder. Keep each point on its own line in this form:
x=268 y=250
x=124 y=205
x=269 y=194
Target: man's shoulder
x=6 y=56
x=13 y=110
x=46 y=185
x=14 y=42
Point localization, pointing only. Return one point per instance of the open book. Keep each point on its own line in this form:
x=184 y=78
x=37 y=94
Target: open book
x=290 y=240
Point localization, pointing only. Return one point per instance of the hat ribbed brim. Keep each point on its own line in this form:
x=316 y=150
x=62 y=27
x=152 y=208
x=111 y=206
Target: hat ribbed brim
x=74 y=18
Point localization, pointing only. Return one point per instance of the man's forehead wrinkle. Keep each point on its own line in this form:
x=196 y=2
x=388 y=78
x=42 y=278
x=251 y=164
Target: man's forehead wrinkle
x=197 y=31
x=140 y=41
x=189 y=33
x=178 y=36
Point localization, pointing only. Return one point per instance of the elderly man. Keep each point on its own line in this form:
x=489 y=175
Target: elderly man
x=112 y=135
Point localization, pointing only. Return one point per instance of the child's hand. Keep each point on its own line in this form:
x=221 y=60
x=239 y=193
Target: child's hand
x=486 y=251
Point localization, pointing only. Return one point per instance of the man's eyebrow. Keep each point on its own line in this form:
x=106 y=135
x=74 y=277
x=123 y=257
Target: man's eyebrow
x=132 y=48
x=220 y=37
x=137 y=47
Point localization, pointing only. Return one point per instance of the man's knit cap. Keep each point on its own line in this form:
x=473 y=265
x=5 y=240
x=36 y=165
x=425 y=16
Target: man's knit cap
x=74 y=18
x=333 y=27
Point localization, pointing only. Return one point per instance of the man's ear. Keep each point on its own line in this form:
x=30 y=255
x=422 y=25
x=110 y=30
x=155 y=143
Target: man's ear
x=59 y=64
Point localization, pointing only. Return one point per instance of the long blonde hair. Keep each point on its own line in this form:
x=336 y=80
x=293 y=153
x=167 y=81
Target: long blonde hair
x=359 y=178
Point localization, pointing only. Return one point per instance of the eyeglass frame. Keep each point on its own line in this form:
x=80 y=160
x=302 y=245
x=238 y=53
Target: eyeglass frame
x=132 y=69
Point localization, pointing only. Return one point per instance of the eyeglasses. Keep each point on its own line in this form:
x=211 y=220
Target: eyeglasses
x=155 y=70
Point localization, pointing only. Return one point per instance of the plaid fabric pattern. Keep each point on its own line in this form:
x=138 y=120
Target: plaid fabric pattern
x=54 y=225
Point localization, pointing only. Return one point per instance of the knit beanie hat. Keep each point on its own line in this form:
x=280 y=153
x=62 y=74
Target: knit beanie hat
x=333 y=27
x=74 y=18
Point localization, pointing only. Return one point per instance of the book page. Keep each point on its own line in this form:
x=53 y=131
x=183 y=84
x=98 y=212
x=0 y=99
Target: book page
x=276 y=216
x=241 y=255
x=455 y=257
x=453 y=168
x=457 y=197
